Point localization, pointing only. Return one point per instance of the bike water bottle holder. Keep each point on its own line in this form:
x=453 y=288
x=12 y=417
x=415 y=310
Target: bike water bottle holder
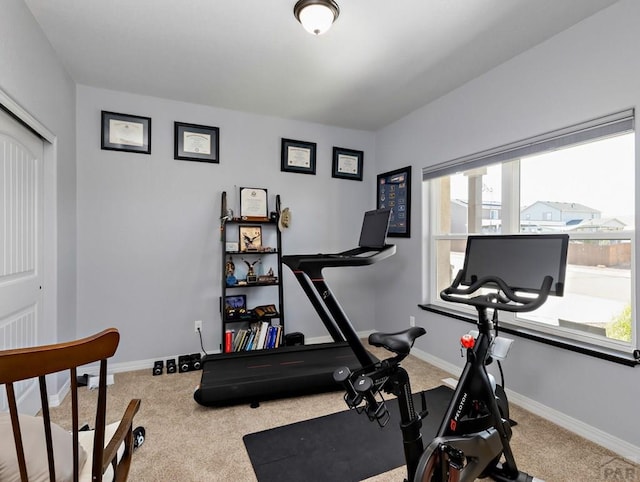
x=361 y=388
x=375 y=410
x=378 y=413
x=352 y=398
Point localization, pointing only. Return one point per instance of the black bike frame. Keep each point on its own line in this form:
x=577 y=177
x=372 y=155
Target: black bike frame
x=474 y=383
x=475 y=378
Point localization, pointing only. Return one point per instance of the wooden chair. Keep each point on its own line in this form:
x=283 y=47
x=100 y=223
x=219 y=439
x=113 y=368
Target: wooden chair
x=111 y=460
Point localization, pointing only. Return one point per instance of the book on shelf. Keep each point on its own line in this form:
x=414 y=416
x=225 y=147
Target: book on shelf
x=238 y=339
x=251 y=337
x=264 y=328
x=268 y=341
x=228 y=341
x=259 y=335
x=278 y=340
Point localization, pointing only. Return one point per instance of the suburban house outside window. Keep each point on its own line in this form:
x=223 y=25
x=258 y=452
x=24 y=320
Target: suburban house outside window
x=580 y=181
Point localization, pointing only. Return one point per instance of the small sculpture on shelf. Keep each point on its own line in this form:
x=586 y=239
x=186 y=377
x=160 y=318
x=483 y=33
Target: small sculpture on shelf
x=268 y=278
x=229 y=270
x=251 y=274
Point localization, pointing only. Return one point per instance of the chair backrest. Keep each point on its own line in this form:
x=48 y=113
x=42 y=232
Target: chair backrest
x=37 y=362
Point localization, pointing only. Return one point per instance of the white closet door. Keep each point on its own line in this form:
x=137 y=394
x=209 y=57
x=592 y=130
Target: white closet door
x=21 y=238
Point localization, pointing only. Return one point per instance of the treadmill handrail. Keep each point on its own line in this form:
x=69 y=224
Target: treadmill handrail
x=307 y=268
x=311 y=262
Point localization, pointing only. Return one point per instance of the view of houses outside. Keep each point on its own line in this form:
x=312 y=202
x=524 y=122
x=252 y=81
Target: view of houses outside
x=586 y=191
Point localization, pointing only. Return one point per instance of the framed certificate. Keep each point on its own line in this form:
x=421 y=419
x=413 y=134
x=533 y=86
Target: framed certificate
x=298 y=156
x=194 y=142
x=394 y=191
x=124 y=132
x=347 y=164
x=253 y=203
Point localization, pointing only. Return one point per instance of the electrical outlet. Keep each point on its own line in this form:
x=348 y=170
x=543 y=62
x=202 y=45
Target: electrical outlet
x=412 y=320
x=197 y=326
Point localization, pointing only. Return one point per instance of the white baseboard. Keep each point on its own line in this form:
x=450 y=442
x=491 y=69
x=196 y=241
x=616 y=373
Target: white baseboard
x=57 y=398
x=595 y=435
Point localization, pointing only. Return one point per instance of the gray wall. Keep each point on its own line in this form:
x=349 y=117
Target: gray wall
x=582 y=73
x=149 y=259
x=147 y=250
x=31 y=75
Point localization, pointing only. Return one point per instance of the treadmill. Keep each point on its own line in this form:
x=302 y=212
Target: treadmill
x=255 y=376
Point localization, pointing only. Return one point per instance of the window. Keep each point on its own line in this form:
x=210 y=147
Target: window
x=579 y=181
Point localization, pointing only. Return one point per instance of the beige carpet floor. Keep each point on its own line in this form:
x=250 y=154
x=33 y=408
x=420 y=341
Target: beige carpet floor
x=189 y=443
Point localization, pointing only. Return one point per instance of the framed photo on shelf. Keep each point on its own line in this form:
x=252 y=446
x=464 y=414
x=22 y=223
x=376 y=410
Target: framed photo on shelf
x=194 y=142
x=347 y=164
x=298 y=156
x=250 y=238
x=235 y=302
x=394 y=191
x=124 y=132
x=253 y=204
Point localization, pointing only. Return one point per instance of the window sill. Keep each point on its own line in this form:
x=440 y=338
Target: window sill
x=575 y=346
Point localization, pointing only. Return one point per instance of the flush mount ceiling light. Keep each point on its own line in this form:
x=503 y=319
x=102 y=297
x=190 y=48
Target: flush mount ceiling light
x=316 y=16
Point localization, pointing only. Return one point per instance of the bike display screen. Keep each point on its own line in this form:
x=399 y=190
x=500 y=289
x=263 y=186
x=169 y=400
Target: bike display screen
x=521 y=261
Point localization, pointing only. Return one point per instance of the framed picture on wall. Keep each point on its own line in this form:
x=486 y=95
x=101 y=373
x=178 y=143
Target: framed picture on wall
x=394 y=191
x=347 y=164
x=124 y=132
x=298 y=156
x=193 y=142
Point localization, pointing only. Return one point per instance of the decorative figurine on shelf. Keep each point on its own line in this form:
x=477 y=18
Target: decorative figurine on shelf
x=229 y=271
x=251 y=274
x=267 y=278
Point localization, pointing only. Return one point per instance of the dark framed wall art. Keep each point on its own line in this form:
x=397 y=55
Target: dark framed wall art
x=394 y=191
x=194 y=142
x=124 y=132
x=347 y=164
x=298 y=156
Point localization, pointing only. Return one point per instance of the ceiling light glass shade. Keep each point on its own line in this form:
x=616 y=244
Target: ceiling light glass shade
x=316 y=16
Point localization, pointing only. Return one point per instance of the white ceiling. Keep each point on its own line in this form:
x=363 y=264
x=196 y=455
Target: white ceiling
x=381 y=60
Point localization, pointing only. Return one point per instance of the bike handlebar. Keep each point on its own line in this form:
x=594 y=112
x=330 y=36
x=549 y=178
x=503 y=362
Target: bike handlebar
x=505 y=299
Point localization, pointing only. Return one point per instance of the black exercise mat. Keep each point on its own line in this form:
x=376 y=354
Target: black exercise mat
x=343 y=446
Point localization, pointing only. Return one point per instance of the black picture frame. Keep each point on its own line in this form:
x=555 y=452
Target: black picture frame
x=202 y=143
x=347 y=164
x=298 y=156
x=394 y=191
x=125 y=132
x=235 y=302
x=254 y=203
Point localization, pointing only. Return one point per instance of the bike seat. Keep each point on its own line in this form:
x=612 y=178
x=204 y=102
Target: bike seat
x=400 y=342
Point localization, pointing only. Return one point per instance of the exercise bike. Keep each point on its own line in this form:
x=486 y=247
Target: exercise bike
x=473 y=440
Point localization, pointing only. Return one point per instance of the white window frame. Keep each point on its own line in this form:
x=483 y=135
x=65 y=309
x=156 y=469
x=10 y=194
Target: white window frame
x=614 y=124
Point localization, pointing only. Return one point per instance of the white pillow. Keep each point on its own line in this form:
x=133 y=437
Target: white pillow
x=35 y=449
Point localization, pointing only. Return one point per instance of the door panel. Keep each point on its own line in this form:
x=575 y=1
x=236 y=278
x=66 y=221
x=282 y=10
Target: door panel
x=21 y=229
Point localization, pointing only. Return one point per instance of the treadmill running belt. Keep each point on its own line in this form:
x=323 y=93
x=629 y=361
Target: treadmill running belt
x=269 y=374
